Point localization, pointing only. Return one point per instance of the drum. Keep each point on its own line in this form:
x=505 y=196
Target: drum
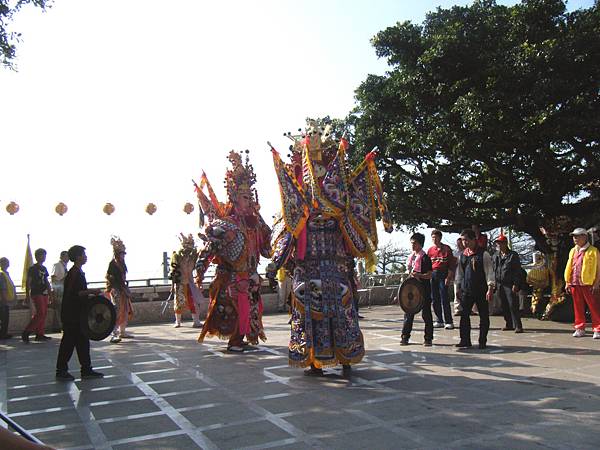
x=98 y=318
x=411 y=296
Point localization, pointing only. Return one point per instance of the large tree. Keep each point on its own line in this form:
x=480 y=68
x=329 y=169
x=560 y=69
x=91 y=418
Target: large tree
x=9 y=38
x=489 y=114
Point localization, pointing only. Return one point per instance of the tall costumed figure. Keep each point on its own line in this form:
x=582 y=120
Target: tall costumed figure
x=184 y=291
x=118 y=290
x=235 y=237
x=328 y=218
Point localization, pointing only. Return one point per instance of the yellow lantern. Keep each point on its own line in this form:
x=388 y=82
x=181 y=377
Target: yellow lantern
x=151 y=208
x=61 y=209
x=108 y=209
x=12 y=208
x=188 y=208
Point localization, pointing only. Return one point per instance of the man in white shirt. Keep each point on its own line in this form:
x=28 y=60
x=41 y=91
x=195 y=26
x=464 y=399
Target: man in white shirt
x=474 y=284
x=59 y=272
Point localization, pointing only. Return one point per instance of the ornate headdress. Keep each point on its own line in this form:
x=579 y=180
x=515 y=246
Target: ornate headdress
x=240 y=178
x=187 y=242
x=117 y=245
x=317 y=139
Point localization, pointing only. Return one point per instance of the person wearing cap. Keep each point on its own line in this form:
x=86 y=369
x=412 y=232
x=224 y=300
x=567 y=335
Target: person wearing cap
x=509 y=279
x=582 y=278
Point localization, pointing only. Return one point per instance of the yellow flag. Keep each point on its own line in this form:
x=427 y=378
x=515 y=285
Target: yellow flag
x=26 y=264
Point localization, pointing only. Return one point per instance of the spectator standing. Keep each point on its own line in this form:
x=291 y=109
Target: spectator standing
x=442 y=262
x=481 y=238
x=57 y=277
x=76 y=293
x=419 y=267
x=8 y=293
x=459 y=249
x=474 y=284
x=509 y=279
x=582 y=277
x=37 y=293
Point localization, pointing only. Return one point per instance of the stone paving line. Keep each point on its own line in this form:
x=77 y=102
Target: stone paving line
x=163 y=390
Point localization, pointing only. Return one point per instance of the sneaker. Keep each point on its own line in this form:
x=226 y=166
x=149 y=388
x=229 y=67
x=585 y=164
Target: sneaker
x=63 y=375
x=596 y=335
x=42 y=338
x=449 y=326
x=25 y=337
x=115 y=340
x=197 y=325
x=89 y=374
x=177 y=325
x=438 y=325
x=579 y=332
x=127 y=336
x=427 y=343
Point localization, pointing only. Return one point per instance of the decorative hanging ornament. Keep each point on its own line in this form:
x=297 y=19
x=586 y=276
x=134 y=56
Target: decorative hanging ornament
x=151 y=208
x=12 y=208
x=61 y=209
x=108 y=209
x=188 y=208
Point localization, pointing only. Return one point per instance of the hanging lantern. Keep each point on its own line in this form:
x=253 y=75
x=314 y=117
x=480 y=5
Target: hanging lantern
x=151 y=208
x=12 y=208
x=108 y=209
x=61 y=209
x=188 y=208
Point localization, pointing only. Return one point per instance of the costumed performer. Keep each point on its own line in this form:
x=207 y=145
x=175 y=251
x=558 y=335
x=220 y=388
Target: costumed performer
x=185 y=292
x=118 y=291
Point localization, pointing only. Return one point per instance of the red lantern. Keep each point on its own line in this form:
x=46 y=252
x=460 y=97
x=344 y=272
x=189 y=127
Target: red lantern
x=108 y=209
x=61 y=209
x=12 y=208
x=151 y=208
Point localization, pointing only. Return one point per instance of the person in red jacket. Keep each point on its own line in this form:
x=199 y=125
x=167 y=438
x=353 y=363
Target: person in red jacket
x=443 y=265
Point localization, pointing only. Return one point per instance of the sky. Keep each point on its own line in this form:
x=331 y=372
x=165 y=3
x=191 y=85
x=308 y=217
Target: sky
x=127 y=101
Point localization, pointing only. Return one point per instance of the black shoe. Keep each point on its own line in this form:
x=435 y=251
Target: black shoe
x=519 y=330
x=404 y=341
x=6 y=336
x=428 y=343
x=313 y=372
x=89 y=374
x=346 y=370
x=463 y=345
x=63 y=375
x=42 y=338
x=25 y=337
x=482 y=346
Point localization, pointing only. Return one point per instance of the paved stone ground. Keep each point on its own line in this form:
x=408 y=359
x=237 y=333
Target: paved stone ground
x=163 y=390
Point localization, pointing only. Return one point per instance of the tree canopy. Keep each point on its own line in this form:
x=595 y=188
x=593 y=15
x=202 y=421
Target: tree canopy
x=9 y=39
x=488 y=114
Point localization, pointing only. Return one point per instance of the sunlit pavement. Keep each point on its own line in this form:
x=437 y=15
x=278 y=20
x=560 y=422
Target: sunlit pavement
x=163 y=390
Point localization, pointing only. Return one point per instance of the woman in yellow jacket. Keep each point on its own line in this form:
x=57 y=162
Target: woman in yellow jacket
x=582 y=277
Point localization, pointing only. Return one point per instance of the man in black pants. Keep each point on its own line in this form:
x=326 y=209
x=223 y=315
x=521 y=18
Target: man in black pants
x=474 y=284
x=75 y=293
x=509 y=279
x=419 y=267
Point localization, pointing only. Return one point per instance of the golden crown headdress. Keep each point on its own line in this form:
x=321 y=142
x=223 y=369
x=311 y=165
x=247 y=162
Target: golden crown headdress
x=187 y=242
x=117 y=245
x=240 y=178
x=317 y=138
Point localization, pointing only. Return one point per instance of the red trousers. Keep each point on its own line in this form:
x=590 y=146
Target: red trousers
x=583 y=295
x=37 y=324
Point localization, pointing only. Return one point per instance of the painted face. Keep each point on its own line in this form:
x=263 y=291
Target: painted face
x=243 y=203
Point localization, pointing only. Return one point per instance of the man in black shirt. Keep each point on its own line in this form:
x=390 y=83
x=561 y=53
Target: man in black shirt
x=37 y=293
x=75 y=294
x=509 y=279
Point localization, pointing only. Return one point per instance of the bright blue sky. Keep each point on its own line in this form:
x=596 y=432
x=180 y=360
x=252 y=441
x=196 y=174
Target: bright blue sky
x=126 y=102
